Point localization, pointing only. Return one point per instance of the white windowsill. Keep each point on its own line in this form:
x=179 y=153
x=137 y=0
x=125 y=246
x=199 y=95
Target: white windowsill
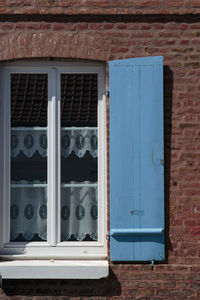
x=54 y=269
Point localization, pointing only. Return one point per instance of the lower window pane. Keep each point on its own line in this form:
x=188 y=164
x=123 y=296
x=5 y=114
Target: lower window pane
x=28 y=213
x=79 y=190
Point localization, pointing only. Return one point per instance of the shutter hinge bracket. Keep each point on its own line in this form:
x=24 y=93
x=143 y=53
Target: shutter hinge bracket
x=108 y=235
x=152 y=263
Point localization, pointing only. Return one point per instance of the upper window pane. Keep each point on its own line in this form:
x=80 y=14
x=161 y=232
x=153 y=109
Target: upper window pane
x=29 y=100
x=79 y=100
x=28 y=195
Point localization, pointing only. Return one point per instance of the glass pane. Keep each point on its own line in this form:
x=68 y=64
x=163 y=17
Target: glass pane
x=28 y=210
x=79 y=156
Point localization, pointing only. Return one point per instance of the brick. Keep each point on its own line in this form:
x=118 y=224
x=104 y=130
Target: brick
x=148 y=3
x=195 y=285
x=19 y=3
x=108 y=26
x=188 y=292
x=7 y=26
x=119 y=50
x=83 y=26
x=34 y=26
x=20 y=26
x=178 y=277
x=95 y=26
x=130 y=284
x=194 y=277
x=46 y=2
x=195 y=231
x=169 y=284
x=58 y=27
x=45 y=26
x=194 y=3
x=184 y=42
x=121 y=26
x=175 y=3
x=168 y=292
x=145 y=292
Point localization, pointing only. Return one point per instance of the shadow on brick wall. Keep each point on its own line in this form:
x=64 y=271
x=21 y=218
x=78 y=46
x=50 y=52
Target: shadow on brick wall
x=168 y=88
x=107 y=287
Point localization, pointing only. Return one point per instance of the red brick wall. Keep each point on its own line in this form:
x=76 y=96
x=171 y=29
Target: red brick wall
x=104 y=38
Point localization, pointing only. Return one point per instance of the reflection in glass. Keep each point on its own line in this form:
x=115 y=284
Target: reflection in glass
x=79 y=212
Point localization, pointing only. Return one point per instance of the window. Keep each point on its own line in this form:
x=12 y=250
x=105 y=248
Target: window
x=66 y=122
x=53 y=155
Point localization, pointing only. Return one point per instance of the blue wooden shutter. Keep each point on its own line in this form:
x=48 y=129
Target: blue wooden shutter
x=136 y=159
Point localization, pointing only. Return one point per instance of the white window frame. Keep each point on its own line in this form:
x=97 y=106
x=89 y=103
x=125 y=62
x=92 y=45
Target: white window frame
x=52 y=249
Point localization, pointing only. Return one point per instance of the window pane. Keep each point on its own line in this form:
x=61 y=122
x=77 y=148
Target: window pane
x=79 y=156
x=28 y=211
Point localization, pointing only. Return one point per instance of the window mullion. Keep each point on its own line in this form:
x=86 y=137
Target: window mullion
x=58 y=157
x=52 y=158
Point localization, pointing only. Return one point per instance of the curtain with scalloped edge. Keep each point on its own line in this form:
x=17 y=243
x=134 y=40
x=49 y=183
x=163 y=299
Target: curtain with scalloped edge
x=32 y=141
x=28 y=212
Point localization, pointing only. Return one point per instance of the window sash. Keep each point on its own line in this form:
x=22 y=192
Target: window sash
x=53 y=177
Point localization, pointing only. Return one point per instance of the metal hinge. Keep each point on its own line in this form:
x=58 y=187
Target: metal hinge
x=108 y=235
x=108 y=92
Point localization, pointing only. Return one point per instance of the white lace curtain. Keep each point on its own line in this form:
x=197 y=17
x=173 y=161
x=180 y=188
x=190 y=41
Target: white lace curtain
x=28 y=212
x=29 y=207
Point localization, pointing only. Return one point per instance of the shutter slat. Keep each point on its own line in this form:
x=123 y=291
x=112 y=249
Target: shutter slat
x=136 y=159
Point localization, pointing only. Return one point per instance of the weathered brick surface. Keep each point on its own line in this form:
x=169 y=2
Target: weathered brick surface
x=99 y=7
x=178 y=40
